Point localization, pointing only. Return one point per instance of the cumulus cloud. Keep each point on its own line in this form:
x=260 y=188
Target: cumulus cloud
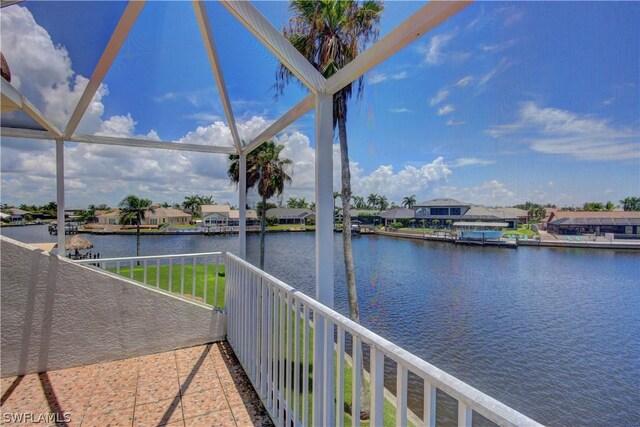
x=556 y=131
x=489 y=193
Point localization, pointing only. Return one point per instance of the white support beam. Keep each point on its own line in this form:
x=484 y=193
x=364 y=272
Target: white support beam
x=60 y=195
x=242 y=200
x=324 y=199
x=271 y=38
x=214 y=59
x=13 y=100
x=145 y=143
x=6 y=132
x=119 y=35
x=298 y=110
x=424 y=20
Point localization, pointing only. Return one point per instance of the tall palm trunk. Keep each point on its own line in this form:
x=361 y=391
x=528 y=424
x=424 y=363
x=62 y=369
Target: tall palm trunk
x=352 y=292
x=263 y=226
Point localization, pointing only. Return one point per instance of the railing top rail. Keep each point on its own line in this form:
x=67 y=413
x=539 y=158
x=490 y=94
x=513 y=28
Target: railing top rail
x=134 y=258
x=480 y=402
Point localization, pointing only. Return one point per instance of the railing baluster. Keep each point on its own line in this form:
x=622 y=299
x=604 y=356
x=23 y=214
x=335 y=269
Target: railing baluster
x=215 y=288
x=206 y=280
x=144 y=272
x=356 y=355
x=264 y=340
x=276 y=347
x=158 y=273
x=193 y=282
x=340 y=382
x=131 y=269
x=305 y=366
x=429 y=408
x=401 y=396
x=182 y=276
x=329 y=374
x=289 y=370
x=296 y=363
x=377 y=386
x=270 y=340
x=117 y=267
x=170 y=285
x=465 y=414
x=281 y=384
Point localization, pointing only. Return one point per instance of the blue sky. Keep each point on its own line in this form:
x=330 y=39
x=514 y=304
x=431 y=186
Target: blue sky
x=503 y=103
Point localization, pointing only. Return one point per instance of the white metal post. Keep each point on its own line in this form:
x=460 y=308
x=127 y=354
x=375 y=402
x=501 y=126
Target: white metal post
x=324 y=253
x=242 y=200
x=60 y=194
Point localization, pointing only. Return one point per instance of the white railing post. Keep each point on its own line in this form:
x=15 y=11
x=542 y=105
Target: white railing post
x=377 y=386
x=242 y=201
x=340 y=384
x=464 y=414
x=401 y=396
x=429 y=405
x=60 y=196
x=356 y=384
x=158 y=273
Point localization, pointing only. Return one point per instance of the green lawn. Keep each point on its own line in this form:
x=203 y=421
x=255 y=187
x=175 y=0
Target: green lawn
x=187 y=226
x=389 y=408
x=521 y=231
x=138 y=274
x=281 y=227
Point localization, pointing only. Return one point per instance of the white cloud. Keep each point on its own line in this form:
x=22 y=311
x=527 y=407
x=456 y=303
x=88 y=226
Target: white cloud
x=556 y=131
x=502 y=66
x=440 y=96
x=470 y=161
x=446 y=109
x=375 y=78
x=489 y=193
x=433 y=52
x=400 y=110
x=452 y=122
x=498 y=47
x=203 y=117
x=400 y=76
x=464 y=81
x=379 y=77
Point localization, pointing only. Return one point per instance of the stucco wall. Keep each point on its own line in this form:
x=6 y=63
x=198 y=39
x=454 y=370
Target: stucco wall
x=57 y=314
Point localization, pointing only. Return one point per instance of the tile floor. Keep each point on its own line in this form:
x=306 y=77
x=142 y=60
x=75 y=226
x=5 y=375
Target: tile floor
x=197 y=386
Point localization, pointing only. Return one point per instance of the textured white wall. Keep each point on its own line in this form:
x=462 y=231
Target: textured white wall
x=56 y=314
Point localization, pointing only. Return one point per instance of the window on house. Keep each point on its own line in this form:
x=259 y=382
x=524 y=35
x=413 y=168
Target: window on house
x=439 y=211
x=454 y=211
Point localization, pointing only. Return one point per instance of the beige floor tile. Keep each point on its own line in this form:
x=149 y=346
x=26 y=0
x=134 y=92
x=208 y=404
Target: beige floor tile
x=203 y=403
x=158 y=413
x=120 y=418
x=214 y=419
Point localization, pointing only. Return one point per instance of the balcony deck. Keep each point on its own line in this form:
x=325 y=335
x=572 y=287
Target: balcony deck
x=202 y=385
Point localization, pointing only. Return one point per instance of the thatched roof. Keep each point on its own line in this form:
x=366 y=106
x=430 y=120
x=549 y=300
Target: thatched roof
x=77 y=242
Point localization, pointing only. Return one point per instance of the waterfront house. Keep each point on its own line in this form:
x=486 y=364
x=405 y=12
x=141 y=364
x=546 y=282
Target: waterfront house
x=153 y=346
x=620 y=224
x=446 y=211
x=18 y=216
x=403 y=215
x=299 y=216
x=152 y=217
x=224 y=216
x=363 y=216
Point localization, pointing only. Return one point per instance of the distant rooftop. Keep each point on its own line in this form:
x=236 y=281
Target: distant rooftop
x=441 y=202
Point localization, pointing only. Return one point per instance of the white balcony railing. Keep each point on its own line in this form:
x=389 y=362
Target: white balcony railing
x=198 y=276
x=270 y=326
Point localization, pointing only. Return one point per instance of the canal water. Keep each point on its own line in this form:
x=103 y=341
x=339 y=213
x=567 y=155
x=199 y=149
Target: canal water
x=553 y=333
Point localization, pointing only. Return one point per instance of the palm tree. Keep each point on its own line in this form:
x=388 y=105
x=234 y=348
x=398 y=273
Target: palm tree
x=133 y=208
x=609 y=206
x=409 y=201
x=383 y=203
x=358 y=202
x=292 y=202
x=268 y=171
x=330 y=34
x=372 y=201
x=192 y=204
x=631 y=203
